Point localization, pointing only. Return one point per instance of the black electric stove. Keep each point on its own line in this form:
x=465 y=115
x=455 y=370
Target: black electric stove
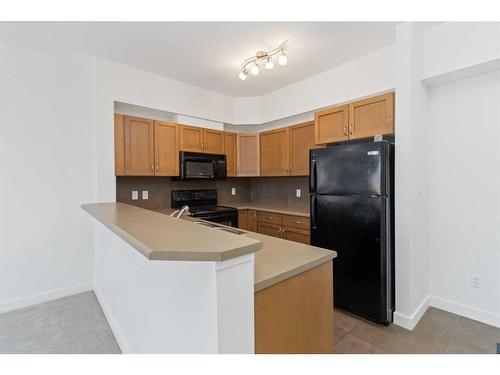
x=203 y=205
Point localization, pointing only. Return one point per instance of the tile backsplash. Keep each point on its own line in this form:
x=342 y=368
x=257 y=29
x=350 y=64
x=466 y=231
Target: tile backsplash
x=264 y=190
x=160 y=188
x=281 y=191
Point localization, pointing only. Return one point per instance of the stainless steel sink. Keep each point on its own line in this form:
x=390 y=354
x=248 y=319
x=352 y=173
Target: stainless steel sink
x=221 y=227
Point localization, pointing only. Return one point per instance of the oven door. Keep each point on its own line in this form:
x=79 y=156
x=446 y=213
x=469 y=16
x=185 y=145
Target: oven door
x=229 y=219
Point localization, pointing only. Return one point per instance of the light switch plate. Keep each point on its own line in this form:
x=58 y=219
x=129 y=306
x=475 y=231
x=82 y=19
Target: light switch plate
x=135 y=195
x=233 y=191
x=145 y=194
x=298 y=193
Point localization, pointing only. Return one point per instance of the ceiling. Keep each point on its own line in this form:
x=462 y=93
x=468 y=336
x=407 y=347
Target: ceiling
x=209 y=54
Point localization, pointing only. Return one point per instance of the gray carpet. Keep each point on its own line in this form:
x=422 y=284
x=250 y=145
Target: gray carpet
x=74 y=324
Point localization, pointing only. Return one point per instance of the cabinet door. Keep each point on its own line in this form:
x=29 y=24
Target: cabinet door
x=230 y=150
x=252 y=221
x=248 y=155
x=269 y=229
x=372 y=116
x=301 y=141
x=243 y=219
x=297 y=235
x=214 y=141
x=191 y=138
x=119 y=145
x=331 y=125
x=166 y=149
x=139 y=147
x=274 y=152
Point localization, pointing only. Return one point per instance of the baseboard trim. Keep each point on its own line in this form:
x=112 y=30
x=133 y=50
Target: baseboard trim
x=465 y=311
x=50 y=295
x=409 y=322
x=124 y=347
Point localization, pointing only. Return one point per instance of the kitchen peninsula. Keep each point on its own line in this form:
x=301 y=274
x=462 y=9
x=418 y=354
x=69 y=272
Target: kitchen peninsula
x=170 y=285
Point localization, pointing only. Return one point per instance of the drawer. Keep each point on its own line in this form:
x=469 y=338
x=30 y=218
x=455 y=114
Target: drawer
x=298 y=222
x=270 y=218
x=269 y=229
x=296 y=235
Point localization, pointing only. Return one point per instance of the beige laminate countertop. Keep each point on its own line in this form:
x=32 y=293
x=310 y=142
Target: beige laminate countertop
x=274 y=208
x=281 y=259
x=160 y=237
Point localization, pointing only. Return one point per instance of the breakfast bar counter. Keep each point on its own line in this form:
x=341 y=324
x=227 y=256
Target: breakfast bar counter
x=171 y=285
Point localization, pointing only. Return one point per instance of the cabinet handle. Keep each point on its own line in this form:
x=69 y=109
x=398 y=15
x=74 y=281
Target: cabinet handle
x=351 y=128
x=298 y=222
x=152 y=168
x=157 y=167
x=345 y=131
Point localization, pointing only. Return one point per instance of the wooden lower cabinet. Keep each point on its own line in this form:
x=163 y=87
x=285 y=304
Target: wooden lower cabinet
x=296 y=315
x=288 y=227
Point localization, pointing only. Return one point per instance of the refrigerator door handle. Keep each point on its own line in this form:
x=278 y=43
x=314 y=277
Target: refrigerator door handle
x=313 y=212
x=313 y=175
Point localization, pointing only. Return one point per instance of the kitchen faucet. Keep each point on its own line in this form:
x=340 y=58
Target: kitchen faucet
x=178 y=214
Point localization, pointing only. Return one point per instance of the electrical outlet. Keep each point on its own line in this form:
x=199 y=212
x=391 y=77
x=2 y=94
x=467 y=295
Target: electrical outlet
x=476 y=282
x=135 y=195
x=145 y=194
x=298 y=193
x=233 y=191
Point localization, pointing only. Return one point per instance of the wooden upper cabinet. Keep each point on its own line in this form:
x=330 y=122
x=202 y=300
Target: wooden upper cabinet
x=230 y=150
x=372 y=116
x=213 y=141
x=191 y=138
x=331 y=125
x=274 y=152
x=301 y=141
x=139 y=147
x=248 y=155
x=166 y=149
x=119 y=145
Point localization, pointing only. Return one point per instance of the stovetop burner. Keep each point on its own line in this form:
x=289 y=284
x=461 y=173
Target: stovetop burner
x=203 y=204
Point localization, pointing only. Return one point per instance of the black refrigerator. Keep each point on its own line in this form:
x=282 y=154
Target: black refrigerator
x=352 y=212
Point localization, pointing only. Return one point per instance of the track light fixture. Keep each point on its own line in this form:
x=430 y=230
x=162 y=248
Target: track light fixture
x=252 y=64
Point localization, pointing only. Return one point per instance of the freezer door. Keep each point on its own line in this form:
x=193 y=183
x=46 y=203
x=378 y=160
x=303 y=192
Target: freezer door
x=356 y=168
x=356 y=228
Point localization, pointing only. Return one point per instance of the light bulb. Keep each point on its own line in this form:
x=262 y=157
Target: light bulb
x=243 y=74
x=255 y=69
x=282 y=59
x=269 y=63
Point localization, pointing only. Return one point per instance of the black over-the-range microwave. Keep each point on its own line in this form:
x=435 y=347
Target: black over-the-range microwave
x=198 y=166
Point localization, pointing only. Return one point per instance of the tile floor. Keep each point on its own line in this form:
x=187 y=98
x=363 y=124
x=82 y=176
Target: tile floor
x=76 y=324
x=437 y=332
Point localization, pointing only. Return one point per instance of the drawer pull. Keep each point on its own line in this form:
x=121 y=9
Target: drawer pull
x=298 y=222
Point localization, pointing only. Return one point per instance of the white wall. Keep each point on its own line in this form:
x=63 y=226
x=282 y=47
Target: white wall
x=46 y=148
x=447 y=171
x=454 y=46
x=365 y=76
x=464 y=196
x=411 y=180
x=174 y=306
